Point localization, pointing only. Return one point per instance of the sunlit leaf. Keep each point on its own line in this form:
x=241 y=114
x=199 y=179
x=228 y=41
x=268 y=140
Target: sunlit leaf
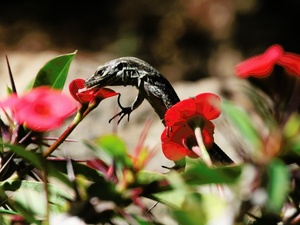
x=200 y=208
x=198 y=173
x=7 y=211
x=278 y=185
x=192 y=212
x=146 y=177
x=31 y=196
x=26 y=213
x=115 y=147
x=54 y=73
x=172 y=198
x=98 y=152
x=292 y=126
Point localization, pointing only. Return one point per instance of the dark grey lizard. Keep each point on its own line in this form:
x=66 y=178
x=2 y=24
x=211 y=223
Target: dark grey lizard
x=152 y=86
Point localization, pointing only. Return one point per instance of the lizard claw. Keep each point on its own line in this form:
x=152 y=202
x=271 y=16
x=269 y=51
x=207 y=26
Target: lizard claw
x=125 y=111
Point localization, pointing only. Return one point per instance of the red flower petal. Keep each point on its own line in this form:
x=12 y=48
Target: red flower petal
x=175 y=141
x=178 y=138
x=260 y=65
x=179 y=112
x=80 y=94
x=174 y=151
x=74 y=87
x=208 y=105
x=291 y=62
x=103 y=93
x=208 y=134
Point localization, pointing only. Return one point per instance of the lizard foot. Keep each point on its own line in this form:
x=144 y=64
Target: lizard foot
x=125 y=111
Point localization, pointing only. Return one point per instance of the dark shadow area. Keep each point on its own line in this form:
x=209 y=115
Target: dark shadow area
x=182 y=37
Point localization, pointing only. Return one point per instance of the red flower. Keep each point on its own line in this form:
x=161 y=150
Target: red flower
x=178 y=138
x=291 y=62
x=84 y=96
x=260 y=65
x=41 y=109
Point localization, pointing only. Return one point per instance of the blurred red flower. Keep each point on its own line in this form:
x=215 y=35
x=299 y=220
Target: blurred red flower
x=85 y=96
x=41 y=109
x=178 y=138
x=262 y=65
x=291 y=62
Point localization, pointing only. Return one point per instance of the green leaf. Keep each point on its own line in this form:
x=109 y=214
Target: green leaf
x=31 y=157
x=199 y=209
x=55 y=72
x=115 y=147
x=175 y=197
x=26 y=213
x=197 y=173
x=292 y=127
x=100 y=154
x=8 y=211
x=278 y=186
x=106 y=191
x=242 y=122
x=147 y=177
x=31 y=196
x=172 y=198
x=79 y=168
x=191 y=213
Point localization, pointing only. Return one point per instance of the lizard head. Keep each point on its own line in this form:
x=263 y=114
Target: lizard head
x=105 y=75
x=121 y=71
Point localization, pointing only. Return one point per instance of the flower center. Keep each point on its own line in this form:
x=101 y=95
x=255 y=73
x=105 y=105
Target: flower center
x=42 y=109
x=196 y=121
x=190 y=142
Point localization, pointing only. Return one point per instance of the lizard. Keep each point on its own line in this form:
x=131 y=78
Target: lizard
x=151 y=85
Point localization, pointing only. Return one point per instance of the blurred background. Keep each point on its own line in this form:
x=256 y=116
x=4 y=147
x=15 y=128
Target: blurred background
x=184 y=39
x=194 y=43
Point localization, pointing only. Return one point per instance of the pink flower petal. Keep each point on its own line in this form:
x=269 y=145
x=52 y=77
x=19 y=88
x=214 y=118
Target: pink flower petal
x=41 y=108
x=10 y=102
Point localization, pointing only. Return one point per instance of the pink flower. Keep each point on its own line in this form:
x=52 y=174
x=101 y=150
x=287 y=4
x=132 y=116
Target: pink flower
x=178 y=138
x=84 y=96
x=41 y=109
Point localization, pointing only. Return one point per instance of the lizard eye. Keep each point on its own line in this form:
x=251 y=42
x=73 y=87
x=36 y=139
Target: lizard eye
x=100 y=72
x=121 y=66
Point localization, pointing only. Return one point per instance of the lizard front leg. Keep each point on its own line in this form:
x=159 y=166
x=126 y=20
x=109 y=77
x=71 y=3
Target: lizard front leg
x=127 y=110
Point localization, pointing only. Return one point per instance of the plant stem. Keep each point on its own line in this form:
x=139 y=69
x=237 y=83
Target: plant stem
x=82 y=112
x=201 y=151
x=78 y=118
